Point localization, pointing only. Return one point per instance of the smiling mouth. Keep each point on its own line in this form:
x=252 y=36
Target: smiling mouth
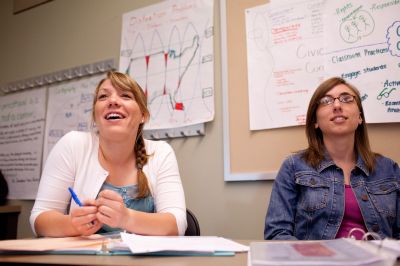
x=339 y=118
x=114 y=116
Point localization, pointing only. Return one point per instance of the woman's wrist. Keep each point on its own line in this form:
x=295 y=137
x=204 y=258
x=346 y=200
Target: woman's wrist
x=128 y=221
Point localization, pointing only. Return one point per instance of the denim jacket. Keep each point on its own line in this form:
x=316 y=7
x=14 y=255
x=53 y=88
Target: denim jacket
x=308 y=203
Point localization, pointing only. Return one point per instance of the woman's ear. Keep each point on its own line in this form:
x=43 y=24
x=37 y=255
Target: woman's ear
x=144 y=118
x=316 y=125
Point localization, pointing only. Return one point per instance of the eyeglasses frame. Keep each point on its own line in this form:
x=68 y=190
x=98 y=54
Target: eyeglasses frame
x=340 y=98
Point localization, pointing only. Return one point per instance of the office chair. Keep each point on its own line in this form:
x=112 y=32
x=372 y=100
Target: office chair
x=193 y=227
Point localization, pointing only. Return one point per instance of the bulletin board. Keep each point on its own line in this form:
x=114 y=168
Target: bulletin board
x=257 y=155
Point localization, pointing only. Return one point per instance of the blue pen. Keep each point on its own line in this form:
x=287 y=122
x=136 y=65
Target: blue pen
x=75 y=197
x=77 y=201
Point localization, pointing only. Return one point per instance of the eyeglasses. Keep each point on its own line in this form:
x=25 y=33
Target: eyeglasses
x=343 y=98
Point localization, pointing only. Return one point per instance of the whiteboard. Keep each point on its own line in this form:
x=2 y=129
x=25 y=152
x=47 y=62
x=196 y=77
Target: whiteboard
x=258 y=154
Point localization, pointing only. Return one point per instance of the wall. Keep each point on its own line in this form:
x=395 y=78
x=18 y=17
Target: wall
x=68 y=33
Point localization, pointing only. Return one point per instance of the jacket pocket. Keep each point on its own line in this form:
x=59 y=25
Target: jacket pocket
x=383 y=194
x=313 y=191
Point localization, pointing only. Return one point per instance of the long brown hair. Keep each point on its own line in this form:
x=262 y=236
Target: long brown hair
x=314 y=154
x=126 y=83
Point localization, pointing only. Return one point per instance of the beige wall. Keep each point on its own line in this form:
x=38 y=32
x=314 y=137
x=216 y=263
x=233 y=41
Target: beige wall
x=68 y=33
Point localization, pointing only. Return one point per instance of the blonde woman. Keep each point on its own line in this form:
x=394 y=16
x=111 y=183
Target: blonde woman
x=124 y=181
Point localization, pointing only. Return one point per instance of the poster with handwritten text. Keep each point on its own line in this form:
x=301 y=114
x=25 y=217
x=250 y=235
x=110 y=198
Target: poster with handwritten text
x=362 y=45
x=22 y=117
x=284 y=61
x=168 y=49
x=69 y=108
x=294 y=45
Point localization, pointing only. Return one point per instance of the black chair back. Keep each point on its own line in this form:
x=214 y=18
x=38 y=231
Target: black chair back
x=193 y=227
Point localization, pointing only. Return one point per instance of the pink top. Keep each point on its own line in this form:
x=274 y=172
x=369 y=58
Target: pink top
x=352 y=216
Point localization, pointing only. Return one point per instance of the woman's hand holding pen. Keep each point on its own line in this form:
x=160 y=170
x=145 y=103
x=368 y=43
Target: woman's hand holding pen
x=84 y=219
x=111 y=209
x=108 y=208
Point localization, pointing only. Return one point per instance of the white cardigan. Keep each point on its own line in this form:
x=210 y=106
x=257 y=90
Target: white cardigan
x=73 y=162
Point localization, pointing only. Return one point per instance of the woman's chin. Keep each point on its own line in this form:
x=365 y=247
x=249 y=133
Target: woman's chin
x=115 y=134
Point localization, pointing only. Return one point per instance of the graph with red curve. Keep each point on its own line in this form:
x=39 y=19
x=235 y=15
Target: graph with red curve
x=168 y=49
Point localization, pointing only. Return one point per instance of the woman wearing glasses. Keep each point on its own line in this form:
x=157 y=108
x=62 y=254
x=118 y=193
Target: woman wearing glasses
x=337 y=183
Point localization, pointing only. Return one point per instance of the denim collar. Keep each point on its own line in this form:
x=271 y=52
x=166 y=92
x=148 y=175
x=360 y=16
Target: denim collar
x=328 y=162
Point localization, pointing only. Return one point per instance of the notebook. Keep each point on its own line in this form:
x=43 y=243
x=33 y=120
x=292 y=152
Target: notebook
x=343 y=251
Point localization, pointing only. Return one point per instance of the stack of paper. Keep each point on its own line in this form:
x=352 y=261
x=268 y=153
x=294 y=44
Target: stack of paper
x=203 y=244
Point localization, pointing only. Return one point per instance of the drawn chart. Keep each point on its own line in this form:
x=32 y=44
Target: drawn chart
x=366 y=52
x=69 y=108
x=168 y=49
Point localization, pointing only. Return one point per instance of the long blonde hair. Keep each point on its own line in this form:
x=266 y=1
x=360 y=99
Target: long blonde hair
x=126 y=83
